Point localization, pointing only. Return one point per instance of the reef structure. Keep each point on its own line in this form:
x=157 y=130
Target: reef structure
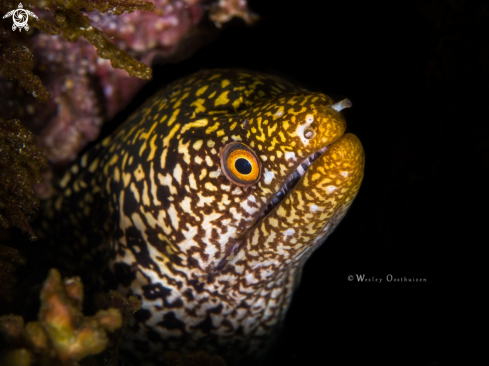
x=85 y=89
x=63 y=335
x=20 y=168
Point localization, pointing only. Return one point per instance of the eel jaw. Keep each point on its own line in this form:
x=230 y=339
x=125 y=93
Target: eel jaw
x=292 y=180
x=287 y=187
x=310 y=211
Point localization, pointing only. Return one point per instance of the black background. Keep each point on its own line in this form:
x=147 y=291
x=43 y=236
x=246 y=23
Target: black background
x=416 y=73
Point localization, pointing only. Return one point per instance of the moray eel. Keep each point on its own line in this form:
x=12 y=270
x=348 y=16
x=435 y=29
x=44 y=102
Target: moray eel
x=206 y=203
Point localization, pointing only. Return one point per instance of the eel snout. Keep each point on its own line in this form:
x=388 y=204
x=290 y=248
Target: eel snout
x=311 y=210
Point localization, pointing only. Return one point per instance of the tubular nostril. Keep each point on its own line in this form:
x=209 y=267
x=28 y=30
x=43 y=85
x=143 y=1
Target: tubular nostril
x=308 y=133
x=342 y=104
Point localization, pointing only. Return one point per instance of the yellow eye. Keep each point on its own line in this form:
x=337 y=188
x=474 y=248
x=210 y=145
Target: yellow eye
x=240 y=164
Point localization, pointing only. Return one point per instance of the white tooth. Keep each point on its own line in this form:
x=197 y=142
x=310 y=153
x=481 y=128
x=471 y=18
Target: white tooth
x=300 y=170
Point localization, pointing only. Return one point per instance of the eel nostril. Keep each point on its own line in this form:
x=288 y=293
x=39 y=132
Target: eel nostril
x=309 y=133
x=342 y=104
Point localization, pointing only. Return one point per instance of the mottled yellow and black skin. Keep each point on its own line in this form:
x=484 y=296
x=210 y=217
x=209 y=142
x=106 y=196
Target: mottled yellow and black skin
x=152 y=203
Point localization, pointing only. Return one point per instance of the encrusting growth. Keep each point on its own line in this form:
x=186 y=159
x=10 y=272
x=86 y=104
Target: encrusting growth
x=63 y=335
x=20 y=167
x=16 y=60
x=20 y=160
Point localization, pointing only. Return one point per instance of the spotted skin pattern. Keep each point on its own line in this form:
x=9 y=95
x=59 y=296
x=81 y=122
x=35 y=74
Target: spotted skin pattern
x=151 y=201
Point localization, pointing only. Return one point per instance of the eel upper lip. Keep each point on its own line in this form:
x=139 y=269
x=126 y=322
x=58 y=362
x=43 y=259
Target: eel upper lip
x=288 y=185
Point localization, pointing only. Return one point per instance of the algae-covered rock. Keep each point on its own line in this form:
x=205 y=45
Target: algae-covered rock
x=126 y=306
x=20 y=167
x=75 y=54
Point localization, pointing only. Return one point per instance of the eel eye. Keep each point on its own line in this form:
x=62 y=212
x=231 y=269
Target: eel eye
x=240 y=164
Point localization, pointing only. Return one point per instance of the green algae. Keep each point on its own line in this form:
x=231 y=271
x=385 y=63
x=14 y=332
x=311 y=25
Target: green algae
x=20 y=160
x=17 y=63
x=16 y=60
x=21 y=163
x=75 y=24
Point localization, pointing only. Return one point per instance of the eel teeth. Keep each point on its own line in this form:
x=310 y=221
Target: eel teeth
x=293 y=179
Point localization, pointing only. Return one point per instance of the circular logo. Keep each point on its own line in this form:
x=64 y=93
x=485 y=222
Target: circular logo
x=20 y=17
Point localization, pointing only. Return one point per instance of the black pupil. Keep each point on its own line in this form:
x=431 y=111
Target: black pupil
x=243 y=166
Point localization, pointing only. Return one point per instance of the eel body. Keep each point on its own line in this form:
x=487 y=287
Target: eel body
x=206 y=203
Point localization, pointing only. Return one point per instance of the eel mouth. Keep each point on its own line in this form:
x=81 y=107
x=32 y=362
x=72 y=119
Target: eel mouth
x=342 y=162
x=292 y=180
x=289 y=184
x=287 y=187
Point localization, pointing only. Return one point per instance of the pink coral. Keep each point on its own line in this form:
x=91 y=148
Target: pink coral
x=143 y=32
x=223 y=11
x=85 y=89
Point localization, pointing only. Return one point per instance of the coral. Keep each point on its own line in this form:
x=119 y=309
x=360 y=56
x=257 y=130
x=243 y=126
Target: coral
x=16 y=61
x=73 y=24
x=223 y=11
x=20 y=166
x=85 y=89
x=69 y=70
x=10 y=259
x=115 y=300
x=126 y=307
x=88 y=90
x=17 y=64
x=63 y=335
